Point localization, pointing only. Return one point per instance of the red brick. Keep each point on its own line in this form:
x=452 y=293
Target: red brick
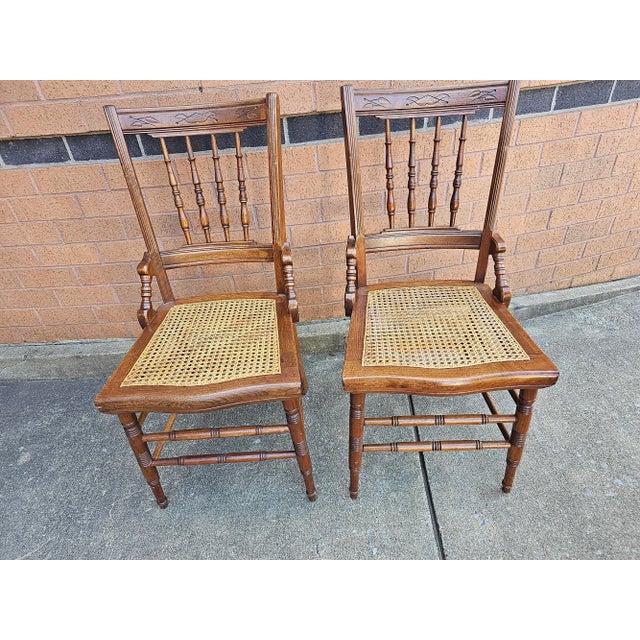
x=67 y=316
x=6 y=213
x=533 y=179
x=556 y=197
x=518 y=262
x=122 y=251
x=574 y=268
x=605 y=118
x=106 y=203
x=319 y=185
x=620 y=256
x=69 y=179
x=54 y=333
x=528 y=223
x=70 y=254
x=295 y=96
x=57 y=89
x=46 y=208
x=626 y=270
x=521 y=280
x=602 y=245
x=297 y=160
x=605 y=187
x=103 y=332
x=208 y=96
x=318 y=276
x=335 y=208
x=540 y=240
x=48 y=277
x=28 y=299
x=435 y=259
x=302 y=212
x=627 y=206
x=19 y=318
x=45 y=119
x=330 y=156
x=17 y=257
x=16 y=182
x=584 y=279
x=627 y=163
x=85 y=295
x=568 y=150
x=319 y=234
x=108 y=274
x=18 y=91
x=557 y=255
x=9 y=279
x=92 y=230
x=614 y=142
x=566 y=216
x=29 y=233
x=587 y=230
x=587 y=170
x=481 y=137
x=542 y=128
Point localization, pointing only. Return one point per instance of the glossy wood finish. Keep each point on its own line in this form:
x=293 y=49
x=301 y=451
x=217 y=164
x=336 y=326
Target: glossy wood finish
x=132 y=403
x=523 y=377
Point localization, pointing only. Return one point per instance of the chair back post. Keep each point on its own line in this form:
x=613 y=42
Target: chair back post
x=139 y=204
x=274 y=150
x=497 y=180
x=350 y=125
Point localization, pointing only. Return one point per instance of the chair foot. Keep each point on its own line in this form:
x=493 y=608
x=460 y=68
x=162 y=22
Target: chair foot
x=295 y=421
x=524 y=412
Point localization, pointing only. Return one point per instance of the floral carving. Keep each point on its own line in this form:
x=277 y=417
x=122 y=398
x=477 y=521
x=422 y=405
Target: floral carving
x=427 y=100
x=142 y=121
x=196 y=117
x=376 y=102
x=483 y=95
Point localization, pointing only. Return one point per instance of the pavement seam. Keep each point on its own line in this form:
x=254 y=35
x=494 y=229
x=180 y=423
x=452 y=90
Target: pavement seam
x=437 y=533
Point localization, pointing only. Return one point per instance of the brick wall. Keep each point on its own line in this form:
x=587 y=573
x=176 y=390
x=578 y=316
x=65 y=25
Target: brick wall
x=69 y=241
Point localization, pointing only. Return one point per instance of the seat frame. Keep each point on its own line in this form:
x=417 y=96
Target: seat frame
x=132 y=404
x=521 y=379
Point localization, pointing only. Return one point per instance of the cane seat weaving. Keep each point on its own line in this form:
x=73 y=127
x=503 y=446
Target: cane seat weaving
x=434 y=328
x=208 y=342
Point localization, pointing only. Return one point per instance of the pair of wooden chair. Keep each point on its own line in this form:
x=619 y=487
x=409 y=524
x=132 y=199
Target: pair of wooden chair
x=426 y=338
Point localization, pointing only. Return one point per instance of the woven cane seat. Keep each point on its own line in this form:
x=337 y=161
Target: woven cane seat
x=203 y=343
x=435 y=327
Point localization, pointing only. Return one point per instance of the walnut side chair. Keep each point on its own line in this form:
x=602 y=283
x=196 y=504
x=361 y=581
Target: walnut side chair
x=419 y=335
x=201 y=354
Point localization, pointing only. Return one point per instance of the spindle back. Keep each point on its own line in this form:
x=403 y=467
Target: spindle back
x=180 y=135
x=429 y=112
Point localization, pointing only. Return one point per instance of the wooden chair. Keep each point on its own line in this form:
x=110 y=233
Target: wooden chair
x=199 y=354
x=431 y=337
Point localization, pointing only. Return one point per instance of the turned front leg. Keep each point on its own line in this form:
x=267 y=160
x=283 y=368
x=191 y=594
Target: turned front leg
x=524 y=412
x=356 y=436
x=143 y=456
x=295 y=421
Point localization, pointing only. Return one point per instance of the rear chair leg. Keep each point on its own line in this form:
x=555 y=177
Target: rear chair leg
x=295 y=421
x=356 y=435
x=524 y=411
x=143 y=456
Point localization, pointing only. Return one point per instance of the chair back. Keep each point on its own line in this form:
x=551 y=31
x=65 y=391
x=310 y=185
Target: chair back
x=208 y=183
x=435 y=123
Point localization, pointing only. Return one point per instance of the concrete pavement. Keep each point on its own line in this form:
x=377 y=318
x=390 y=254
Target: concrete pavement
x=70 y=487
